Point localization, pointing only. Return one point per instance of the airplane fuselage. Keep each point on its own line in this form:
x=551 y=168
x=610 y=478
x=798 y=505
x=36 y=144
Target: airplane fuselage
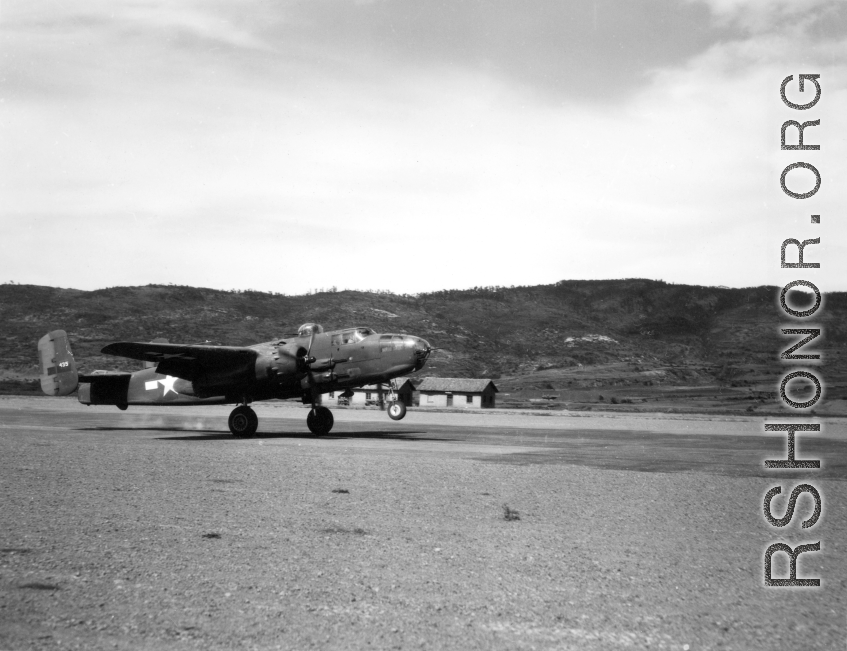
x=341 y=359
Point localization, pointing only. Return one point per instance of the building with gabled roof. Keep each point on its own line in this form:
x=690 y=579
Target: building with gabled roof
x=370 y=394
x=471 y=393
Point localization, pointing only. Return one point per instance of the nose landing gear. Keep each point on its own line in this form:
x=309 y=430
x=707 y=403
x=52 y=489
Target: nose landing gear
x=396 y=407
x=243 y=422
x=396 y=410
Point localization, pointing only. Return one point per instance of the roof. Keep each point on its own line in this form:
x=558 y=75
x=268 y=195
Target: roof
x=463 y=385
x=399 y=382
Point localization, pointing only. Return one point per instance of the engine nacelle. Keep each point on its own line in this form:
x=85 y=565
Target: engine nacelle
x=289 y=359
x=284 y=366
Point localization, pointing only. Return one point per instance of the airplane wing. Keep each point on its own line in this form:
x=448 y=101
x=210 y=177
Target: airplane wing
x=189 y=362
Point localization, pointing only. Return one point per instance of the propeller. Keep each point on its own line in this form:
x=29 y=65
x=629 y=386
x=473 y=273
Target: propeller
x=308 y=360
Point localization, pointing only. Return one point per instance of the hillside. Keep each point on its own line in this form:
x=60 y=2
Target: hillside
x=628 y=340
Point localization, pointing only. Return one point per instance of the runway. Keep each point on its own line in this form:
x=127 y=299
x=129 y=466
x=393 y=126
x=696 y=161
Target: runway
x=154 y=528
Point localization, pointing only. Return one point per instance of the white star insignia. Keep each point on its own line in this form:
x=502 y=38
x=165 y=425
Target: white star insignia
x=168 y=384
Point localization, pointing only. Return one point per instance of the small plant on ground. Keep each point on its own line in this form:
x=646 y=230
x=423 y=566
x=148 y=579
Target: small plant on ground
x=509 y=514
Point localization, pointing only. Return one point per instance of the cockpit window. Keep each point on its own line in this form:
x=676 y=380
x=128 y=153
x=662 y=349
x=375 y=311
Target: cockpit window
x=352 y=336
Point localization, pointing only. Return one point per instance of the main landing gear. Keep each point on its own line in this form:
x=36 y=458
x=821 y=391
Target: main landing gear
x=320 y=420
x=243 y=422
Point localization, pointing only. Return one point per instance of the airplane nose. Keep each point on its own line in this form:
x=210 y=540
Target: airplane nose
x=422 y=351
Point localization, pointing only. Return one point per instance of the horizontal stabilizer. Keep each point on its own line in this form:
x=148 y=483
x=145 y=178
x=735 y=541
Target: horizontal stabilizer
x=100 y=377
x=59 y=376
x=105 y=388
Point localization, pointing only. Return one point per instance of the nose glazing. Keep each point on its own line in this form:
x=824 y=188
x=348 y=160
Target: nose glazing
x=422 y=351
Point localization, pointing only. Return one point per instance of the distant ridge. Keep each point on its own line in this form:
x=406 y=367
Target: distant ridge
x=709 y=334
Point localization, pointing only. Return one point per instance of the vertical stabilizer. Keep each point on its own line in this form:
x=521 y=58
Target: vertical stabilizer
x=59 y=376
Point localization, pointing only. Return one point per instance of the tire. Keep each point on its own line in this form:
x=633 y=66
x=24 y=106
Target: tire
x=396 y=410
x=243 y=422
x=320 y=421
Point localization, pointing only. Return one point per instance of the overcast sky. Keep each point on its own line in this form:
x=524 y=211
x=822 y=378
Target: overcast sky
x=415 y=146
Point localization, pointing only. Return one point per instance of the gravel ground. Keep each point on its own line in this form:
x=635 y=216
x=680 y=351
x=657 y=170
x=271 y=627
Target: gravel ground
x=153 y=528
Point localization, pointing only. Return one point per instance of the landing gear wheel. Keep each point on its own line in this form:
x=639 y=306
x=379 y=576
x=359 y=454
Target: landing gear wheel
x=320 y=421
x=396 y=410
x=243 y=422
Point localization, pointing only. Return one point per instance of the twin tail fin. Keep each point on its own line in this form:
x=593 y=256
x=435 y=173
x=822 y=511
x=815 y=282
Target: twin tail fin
x=59 y=376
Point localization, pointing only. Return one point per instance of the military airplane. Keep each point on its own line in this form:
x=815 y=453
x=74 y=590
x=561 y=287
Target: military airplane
x=302 y=365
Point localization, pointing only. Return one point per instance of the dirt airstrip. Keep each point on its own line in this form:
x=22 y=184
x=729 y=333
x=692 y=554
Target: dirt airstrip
x=155 y=529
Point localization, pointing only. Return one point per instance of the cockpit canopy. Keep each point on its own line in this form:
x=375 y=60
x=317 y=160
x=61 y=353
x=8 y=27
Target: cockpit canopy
x=351 y=336
x=307 y=329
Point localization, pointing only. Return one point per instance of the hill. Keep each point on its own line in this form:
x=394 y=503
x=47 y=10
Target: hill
x=625 y=340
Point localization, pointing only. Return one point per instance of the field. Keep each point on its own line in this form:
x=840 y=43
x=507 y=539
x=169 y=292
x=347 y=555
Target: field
x=154 y=528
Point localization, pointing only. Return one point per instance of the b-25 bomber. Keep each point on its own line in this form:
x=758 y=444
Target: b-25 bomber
x=302 y=365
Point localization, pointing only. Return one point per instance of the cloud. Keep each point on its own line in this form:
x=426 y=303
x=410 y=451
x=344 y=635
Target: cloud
x=282 y=149
x=760 y=16
x=568 y=50
x=158 y=20
x=572 y=50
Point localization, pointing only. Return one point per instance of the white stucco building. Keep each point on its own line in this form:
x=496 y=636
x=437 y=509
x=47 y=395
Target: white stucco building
x=369 y=394
x=457 y=392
